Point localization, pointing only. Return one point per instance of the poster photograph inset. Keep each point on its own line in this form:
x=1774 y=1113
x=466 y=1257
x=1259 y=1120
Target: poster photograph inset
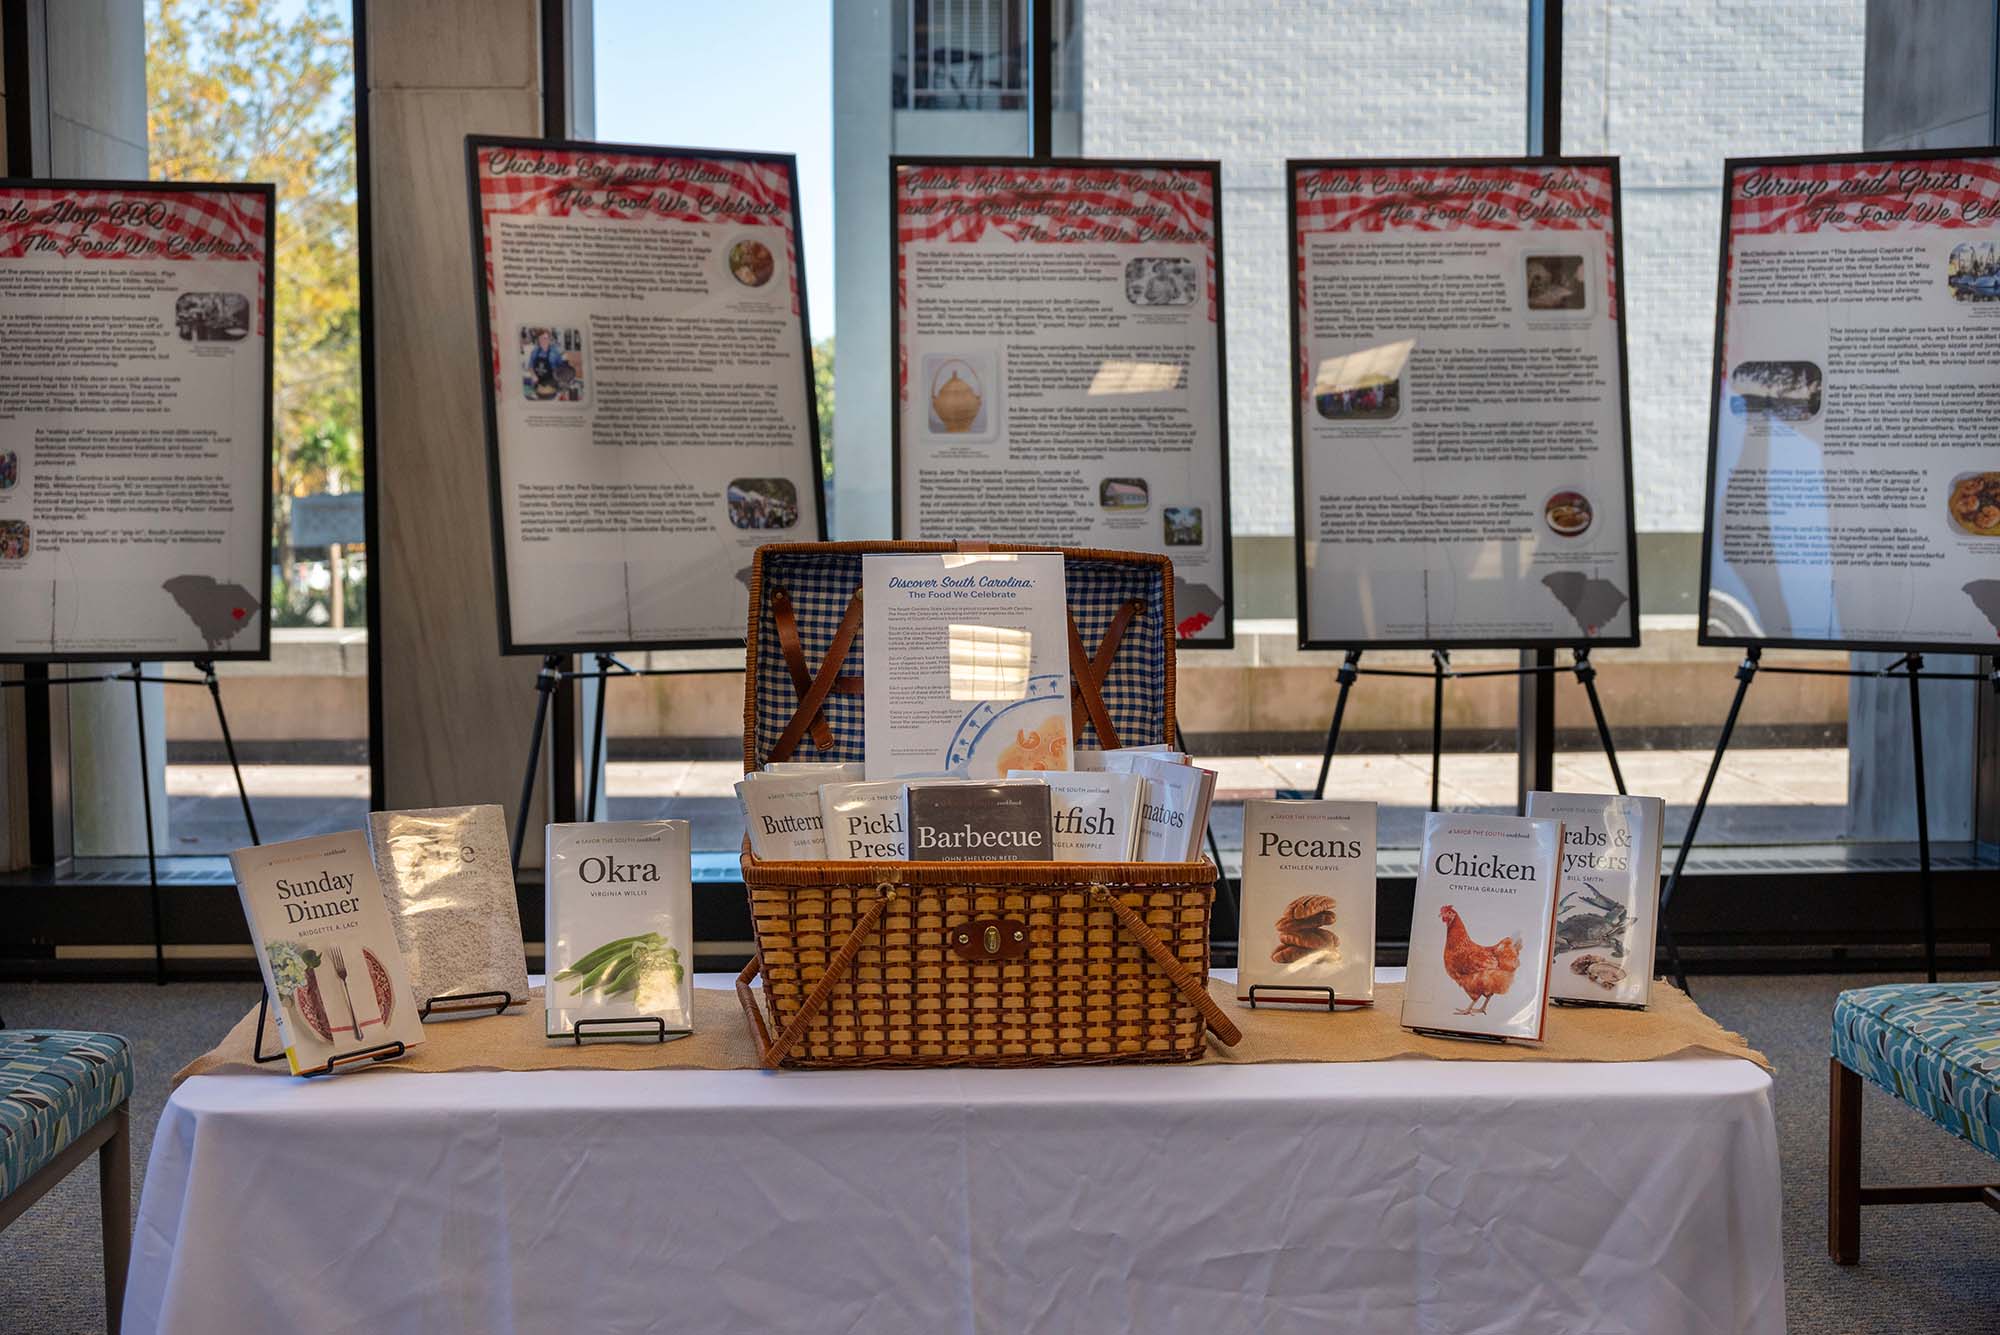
x=1058 y=340
x=1854 y=471
x=135 y=437
x=1461 y=446
x=648 y=369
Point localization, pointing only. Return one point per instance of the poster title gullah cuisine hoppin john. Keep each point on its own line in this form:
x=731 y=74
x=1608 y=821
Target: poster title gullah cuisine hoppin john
x=135 y=463
x=1461 y=460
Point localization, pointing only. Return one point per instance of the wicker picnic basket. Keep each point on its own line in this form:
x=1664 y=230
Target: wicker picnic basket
x=968 y=963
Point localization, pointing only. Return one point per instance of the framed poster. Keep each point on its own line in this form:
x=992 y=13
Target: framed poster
x=647 y=365
x=1461 y=446
x=1853 y=495
x=135 y=421
x=1057 y=334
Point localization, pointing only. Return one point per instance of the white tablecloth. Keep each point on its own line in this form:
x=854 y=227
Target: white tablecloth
x=1388 y=1196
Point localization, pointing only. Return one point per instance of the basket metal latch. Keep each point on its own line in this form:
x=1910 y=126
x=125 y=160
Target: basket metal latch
x=983 y=939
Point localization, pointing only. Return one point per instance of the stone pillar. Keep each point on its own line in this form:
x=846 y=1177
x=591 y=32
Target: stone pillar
x=863 y=138
x=455 y=713
x=1928 y=83
x=95 y=104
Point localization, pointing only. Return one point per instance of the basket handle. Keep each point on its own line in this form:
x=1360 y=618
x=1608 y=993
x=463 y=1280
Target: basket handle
x=1181 y=976
x=773 y=1052
x=823 y=681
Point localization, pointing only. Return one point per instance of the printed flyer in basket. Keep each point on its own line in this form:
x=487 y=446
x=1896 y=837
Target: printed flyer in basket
x=648 y=368
x=968 y=665
x=1058 y=341
x=1854 y=474
x=135 y=467
x=1461 y=462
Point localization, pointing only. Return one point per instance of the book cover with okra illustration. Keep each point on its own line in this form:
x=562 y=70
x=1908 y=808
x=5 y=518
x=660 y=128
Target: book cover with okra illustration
x=620 y=927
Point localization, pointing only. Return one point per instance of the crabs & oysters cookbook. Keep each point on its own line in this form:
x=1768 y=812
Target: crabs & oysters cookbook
x=620 y=930
x=326 y=947
x=1481 y=927
x=1609 y=909
x=1308 y=906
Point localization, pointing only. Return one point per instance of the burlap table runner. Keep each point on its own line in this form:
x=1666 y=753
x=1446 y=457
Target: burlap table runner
x=721 y=1041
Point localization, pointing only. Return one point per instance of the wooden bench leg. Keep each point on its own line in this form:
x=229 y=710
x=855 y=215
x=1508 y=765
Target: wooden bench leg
x=114 y=1192
x=1843 y=1163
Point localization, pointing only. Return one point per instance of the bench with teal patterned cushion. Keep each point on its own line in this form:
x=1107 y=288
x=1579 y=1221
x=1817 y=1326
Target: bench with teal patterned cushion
x=55 y=1085
x=1935 y=1046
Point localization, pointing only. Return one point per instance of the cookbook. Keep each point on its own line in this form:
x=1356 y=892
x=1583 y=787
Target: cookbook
x=326 y=947
x=1173 y=814
x=1095 y=815
x=781 y=813
x=620 y=932
x=449 y=882
x=864 y=821
x=957 y=821
x=1308 y=901
x=968 y=664
x=1482 y=924
x=1609 y=908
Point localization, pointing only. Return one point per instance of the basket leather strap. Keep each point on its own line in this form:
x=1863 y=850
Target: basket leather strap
x=775 y=1051
x=1182 y=977
x=822 y=683
x=1087 y=672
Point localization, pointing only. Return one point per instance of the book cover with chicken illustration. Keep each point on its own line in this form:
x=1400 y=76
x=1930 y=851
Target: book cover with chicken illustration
x=1482 y=926
x=1308 y=907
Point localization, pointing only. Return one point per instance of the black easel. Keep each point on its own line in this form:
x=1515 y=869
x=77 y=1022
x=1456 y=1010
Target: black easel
x=1910 y=667
x=138 y=679
x=553 y=675
x=1441 y=669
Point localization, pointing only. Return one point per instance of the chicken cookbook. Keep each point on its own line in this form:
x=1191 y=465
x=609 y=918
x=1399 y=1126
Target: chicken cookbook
x=1482 y=927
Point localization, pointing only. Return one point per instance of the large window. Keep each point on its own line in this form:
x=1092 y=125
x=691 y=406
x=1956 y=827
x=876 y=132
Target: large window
x=1672 y=93
x=264 y=91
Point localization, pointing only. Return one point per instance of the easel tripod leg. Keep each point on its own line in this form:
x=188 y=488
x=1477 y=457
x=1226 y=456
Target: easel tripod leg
x=604 y=662
x=1746 y=672
x=152 y=853
x=1586 y=675
x=545 y=684
x=207 y=671
x=1349 y=670
x=1440 y=660
x=1912 y=664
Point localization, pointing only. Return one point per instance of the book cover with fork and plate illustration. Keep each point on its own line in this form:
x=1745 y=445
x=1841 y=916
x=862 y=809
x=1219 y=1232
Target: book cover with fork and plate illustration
x=326 y=947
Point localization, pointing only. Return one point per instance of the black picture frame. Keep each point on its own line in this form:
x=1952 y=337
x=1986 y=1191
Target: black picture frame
x=1293 y=167
x=1717 y=371
x=474 y=143
x=267 y=194
x=1213 y=169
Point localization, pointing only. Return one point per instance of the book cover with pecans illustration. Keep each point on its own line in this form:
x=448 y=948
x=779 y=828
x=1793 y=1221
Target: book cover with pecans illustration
x=1308 y=903
x=326 y=947
x=1009 y=821
x=620 y=933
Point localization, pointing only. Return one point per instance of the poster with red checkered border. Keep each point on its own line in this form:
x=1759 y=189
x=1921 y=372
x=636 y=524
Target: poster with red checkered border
x=135 y=506
x=1853 y=494
x=1059 y=372
x=1461 y=456
x=648 y=372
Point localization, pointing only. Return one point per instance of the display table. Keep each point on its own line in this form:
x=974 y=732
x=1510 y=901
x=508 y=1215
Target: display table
x=1400 y=1195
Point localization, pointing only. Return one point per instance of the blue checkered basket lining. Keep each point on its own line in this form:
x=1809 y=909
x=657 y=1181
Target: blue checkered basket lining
x=820 y=584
